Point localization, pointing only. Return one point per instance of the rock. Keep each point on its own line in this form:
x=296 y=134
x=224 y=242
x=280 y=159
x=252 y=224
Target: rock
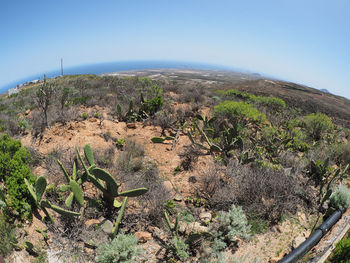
x=274 y=259
x=143 y=236
x=178 y=198
x=158 y=233
x=288 y=171
x=194 y=227
x=168 y=186
x=205 y=217
x=26 y=113
x=131 y=125
x=192 y=179
x=53 y=256
x=301 y=217
x=17 y=257
x=276 y=229
x=297 y=242
x=92 y=222
x=107 y=227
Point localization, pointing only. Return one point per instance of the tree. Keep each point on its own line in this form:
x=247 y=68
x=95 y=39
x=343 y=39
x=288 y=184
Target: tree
x=44 y=95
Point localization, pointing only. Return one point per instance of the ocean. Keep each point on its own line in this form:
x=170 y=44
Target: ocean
x=110 y=67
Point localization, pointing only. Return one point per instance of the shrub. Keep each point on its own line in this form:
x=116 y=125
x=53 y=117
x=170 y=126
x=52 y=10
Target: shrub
x=340 y=198
x=7 y=235
x=272 y=103
x=151 y=203
x=342 y=251
x=230 y=225
x=130 y=159
x=267 y=193
x=238 y=111
x=123 y=248
x=14 y=160
x=216 y=190
x=341 y=153
x=317 y=124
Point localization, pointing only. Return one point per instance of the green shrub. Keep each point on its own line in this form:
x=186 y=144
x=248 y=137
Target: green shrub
x=317 y=124
x=272 y=103
x=340 y=198
x=14 y=160
x=84 y=116
x=238 y=111
x=342 y=251
x=123 y=248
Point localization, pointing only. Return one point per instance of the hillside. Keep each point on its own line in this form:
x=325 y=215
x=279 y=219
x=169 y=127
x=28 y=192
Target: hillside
x=168 y=166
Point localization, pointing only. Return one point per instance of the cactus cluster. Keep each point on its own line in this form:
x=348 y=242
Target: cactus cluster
x=173 y=228
x=73 y=184
x=228 y=138
x=104 y=181
x=37 y=192
x=100 y=178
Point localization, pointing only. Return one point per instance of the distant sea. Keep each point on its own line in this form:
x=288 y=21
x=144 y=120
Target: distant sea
x=115 y=67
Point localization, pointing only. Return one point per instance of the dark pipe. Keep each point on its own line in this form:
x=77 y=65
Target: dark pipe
x=315 y=237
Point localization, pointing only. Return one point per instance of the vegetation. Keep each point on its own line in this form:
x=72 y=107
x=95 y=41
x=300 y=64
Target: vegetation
x=340 y=198
x=265 y=160
x=8 y=238
x=317 y=125
x=238 y=112
x=342 y=251
x=123 y=248
x=14 y=170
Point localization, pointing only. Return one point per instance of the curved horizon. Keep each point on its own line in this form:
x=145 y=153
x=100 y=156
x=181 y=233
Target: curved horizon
x=125 y=65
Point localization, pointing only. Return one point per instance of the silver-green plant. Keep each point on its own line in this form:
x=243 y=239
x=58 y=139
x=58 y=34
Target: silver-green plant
x=230 y=226
x=37 y=192
x=123 y=248
x=340 y=198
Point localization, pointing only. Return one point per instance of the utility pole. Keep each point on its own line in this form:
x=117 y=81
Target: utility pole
x=61 y=66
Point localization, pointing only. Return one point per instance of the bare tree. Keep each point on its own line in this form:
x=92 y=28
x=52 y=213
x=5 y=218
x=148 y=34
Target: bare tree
x=44 y=95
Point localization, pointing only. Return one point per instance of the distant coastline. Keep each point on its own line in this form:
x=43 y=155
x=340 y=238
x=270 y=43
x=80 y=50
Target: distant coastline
x=110 y=67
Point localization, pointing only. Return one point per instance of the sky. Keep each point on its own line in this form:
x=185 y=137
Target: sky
x=303 y=41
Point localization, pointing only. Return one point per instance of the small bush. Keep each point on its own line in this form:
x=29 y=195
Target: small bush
x=267 y=193
x=123 y=248
x=340 y=198
x=317 y=124
x=7 y=235
x=152 y=203
x=230 y=226
x=342 y=251
x=215 y=188
x=189 y=157
x=130 y=159
x=238 y=111
x=341 y=153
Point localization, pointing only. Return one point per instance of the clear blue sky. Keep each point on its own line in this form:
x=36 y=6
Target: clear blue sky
x=305 y=41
